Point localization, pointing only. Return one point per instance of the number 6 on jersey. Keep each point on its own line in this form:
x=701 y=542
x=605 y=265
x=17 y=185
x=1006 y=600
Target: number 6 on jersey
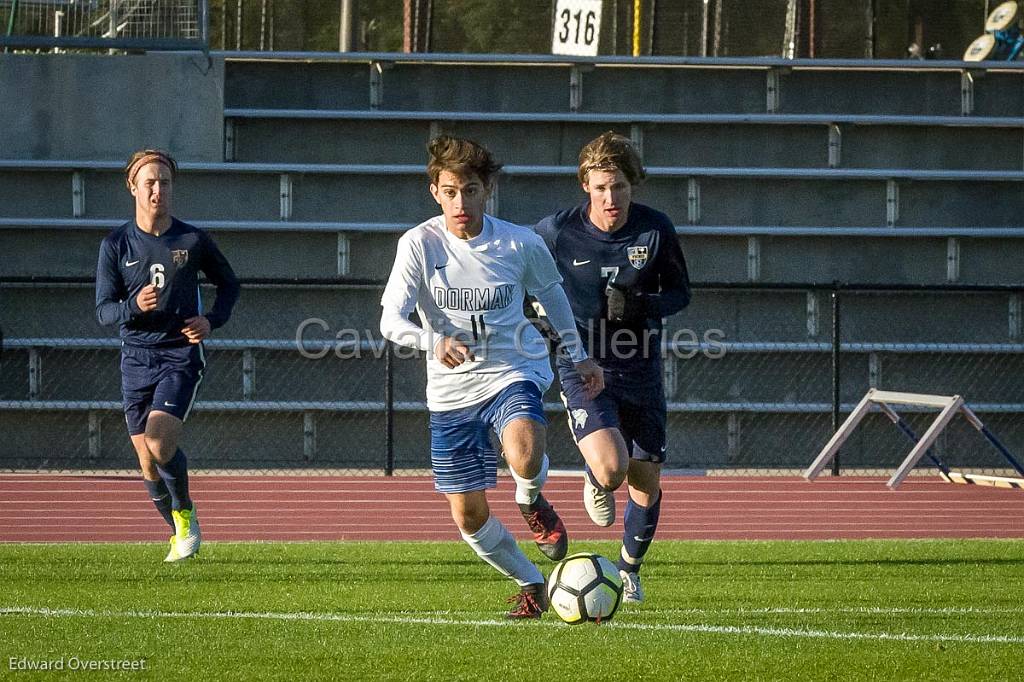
x=577 y=29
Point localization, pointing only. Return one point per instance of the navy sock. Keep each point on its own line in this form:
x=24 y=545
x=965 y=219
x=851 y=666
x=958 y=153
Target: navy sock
x=640 y=524
x=161 y=498
x=174 y=473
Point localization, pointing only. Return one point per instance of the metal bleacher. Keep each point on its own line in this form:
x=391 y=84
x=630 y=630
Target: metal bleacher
x=774 y=172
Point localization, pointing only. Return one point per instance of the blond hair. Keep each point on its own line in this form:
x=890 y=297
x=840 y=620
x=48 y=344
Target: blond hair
x=140 y=158
x=610 y=152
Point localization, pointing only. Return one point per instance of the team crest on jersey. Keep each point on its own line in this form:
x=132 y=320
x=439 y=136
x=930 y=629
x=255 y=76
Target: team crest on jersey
x=179 y=256
x=637 y=256
x=579 y=418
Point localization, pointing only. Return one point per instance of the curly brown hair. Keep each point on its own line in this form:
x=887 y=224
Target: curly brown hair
x=462 y=157
x=611 y=151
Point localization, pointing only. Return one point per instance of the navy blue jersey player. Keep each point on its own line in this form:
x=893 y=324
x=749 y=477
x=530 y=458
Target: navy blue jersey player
x=147 y=284
x=623 y=272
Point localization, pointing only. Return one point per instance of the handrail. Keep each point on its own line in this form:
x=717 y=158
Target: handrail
x=538 y=170
x=633 y=117
x=417 y=406
x=753 y=63
x=377 y=345
x=74 y=224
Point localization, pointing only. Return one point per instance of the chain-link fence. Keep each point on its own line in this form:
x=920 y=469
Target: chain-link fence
x=140 y=24
x=753 y=381
x=834 y=29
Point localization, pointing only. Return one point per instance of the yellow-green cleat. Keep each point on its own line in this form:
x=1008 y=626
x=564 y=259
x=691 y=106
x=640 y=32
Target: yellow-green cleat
x=172 y=555
x=187 y=537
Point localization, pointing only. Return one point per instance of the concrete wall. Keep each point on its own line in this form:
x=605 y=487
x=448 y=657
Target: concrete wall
x=102 y=107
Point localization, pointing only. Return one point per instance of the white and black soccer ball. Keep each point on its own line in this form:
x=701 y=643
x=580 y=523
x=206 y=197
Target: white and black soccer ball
x=585 y=587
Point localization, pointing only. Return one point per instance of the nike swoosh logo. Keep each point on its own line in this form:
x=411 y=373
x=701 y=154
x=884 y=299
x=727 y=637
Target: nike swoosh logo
x=166 y=404
x=440 y=267
x=579 y=262
x=640 y=539
x=131 y=263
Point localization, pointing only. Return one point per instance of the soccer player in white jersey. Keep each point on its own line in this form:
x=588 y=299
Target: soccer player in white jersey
x=466 y=274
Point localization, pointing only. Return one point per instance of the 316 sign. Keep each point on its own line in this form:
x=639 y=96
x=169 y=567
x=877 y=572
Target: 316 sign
x=577 y=29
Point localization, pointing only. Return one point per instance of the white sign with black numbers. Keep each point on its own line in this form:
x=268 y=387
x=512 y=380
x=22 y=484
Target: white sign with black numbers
x=577 y=29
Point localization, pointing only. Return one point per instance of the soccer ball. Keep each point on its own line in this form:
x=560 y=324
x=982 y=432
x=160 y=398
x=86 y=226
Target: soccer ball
x=585 y=587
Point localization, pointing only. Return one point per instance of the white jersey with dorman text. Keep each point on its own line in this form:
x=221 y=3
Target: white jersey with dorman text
x=472 y=289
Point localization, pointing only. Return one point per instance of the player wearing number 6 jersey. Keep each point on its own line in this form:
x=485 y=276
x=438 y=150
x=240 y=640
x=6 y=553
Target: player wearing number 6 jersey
x=147 y=284
x=623 y=272
x=466 y=274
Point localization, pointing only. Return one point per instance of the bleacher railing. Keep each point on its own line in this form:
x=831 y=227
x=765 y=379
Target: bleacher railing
x=746 y=391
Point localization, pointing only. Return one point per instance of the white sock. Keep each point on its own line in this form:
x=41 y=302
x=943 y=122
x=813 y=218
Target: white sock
x=495 y=545
x=527 y=489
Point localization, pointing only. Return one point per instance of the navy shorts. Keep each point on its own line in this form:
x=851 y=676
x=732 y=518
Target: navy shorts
x=461 y=453
x=163 y=379
x=638 y=413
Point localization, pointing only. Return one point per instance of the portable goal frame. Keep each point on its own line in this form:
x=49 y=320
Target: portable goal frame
x=948 y=407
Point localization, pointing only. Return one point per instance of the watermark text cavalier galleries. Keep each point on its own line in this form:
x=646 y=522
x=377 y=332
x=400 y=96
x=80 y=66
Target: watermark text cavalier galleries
x=75 y=664
x=313 y=344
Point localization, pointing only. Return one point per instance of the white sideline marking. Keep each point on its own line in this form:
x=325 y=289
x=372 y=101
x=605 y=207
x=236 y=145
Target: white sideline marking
x=437 y=620
x=872 y=610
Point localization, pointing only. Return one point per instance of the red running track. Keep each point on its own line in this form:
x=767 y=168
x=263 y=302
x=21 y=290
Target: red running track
x=48 y=508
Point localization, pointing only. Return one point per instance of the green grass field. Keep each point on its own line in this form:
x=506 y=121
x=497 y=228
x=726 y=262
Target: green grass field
x=873 y=610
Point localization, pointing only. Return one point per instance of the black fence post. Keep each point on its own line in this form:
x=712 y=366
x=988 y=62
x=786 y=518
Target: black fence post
x=389 y=410
x=836 y=349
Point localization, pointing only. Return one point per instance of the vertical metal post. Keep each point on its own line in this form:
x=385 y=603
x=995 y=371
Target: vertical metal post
x=813 y=315
x=389 y=410
x=1014 y=315
x=58 y=27
x=248 y=374
x=773 y=87
x=347 y=26
x=344 y=255
x=224 y=27
x=637 y=9
x=892 y=202
x=286 y=196
x=869 y=39
x=753 y=258
x=95 y=442
x=77 y=194
x=835 y=146
x=238 y=25
x=263 y=24
x=575 y=88
x=810 y=29
x=733 y=438
x=966 y=93
x=615 y=24
x=704 y=30
x=692 y=200
x=35 y=373
x=229 y=139
x=836 y=328
x=309 y=436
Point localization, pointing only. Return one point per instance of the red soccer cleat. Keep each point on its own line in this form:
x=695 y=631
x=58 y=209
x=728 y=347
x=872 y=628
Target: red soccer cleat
x=530 y=602
x=548 y=530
